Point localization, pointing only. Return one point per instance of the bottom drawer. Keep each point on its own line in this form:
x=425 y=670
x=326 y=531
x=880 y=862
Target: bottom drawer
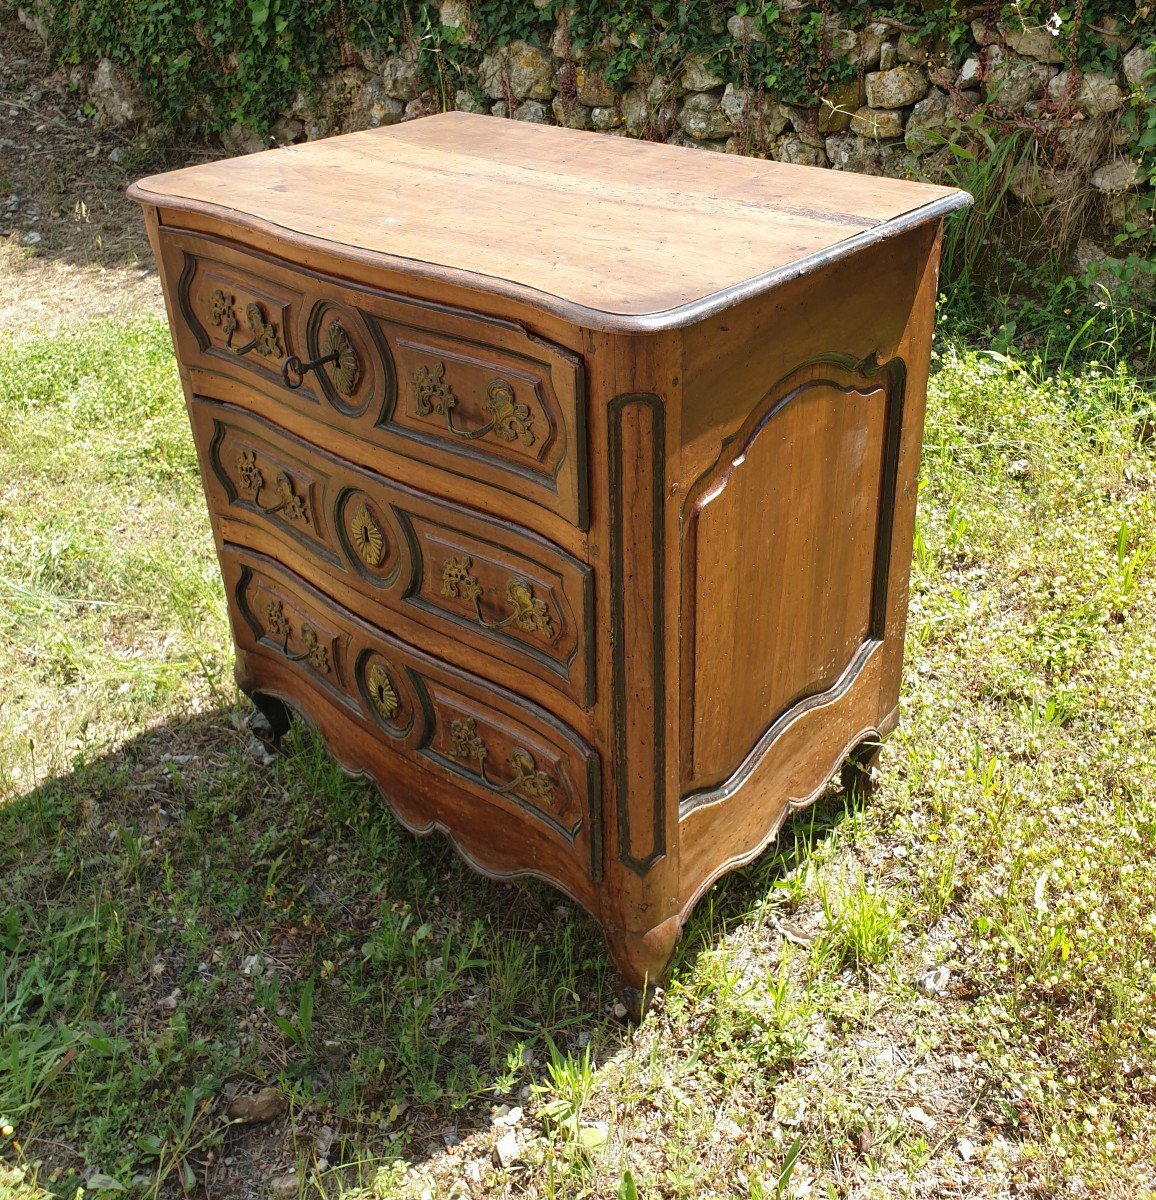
x=499 y=774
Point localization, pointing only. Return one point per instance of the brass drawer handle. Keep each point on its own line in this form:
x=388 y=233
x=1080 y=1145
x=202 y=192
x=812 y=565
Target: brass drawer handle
x=466 y=744
x=529 y=613
x=337 y=349
x=510 y=419
x=277 y=625
x=223 y=315
x=253 y=481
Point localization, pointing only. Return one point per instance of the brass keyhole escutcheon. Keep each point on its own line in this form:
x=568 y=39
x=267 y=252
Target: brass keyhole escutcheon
x=366 y=535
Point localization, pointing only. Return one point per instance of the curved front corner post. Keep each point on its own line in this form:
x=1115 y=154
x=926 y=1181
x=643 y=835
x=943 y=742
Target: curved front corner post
x=642 y=841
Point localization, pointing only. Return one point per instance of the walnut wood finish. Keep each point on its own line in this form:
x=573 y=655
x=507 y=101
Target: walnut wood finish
x=476 y=397
x=456 y=199
x=405 y=716
x=566 y=484
x=814 y=591
x=384 y=549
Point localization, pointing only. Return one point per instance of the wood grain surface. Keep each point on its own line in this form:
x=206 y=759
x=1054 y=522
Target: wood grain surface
x=785 y=566
x=515 y=767
x=595 y=558
x=474 y=589
x=425 y=374
x=605 y=225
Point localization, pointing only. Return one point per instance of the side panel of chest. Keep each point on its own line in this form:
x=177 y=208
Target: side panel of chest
x=786 y=561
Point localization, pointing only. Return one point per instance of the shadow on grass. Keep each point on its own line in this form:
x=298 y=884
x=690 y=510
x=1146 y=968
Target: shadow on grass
x=738 y=898
x=187 y=919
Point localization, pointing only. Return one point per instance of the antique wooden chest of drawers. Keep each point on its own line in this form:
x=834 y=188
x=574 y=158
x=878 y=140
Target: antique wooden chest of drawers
x=565 y=483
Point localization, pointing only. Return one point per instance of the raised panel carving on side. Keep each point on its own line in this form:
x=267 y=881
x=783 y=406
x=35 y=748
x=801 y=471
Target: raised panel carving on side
x=786 y=548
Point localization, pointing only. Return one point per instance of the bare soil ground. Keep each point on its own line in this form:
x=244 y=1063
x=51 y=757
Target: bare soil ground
x=72 y=246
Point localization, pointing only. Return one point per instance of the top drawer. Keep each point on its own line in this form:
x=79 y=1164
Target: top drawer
x=471 y=395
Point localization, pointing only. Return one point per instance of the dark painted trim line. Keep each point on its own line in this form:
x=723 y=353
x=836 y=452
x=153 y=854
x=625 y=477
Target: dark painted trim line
x=817 y=700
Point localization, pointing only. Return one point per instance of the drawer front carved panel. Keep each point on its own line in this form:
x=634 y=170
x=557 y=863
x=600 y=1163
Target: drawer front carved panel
x=695 y=619
x=503 y=750
x=478 y=402
x=491 y=586
x=478 y=397
x=800 y=597
x=482 y=586
x=242 y=322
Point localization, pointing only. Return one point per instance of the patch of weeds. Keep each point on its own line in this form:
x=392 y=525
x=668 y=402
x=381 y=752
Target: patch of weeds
x=570 y=1082
x=862 y=927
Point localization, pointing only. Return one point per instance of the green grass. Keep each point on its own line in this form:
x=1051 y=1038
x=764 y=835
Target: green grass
x=180 y=921
x=1010 y=265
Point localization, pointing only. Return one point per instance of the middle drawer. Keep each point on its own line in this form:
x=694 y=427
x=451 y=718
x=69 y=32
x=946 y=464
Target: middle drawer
x=370 y=541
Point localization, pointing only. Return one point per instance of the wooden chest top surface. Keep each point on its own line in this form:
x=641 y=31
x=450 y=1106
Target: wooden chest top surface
x=605 y=231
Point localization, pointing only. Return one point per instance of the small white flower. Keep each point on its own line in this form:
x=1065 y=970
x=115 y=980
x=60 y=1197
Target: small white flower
x=1054 y=23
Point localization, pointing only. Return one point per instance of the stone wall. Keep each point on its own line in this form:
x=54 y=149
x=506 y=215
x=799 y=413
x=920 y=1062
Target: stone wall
x=906 y=100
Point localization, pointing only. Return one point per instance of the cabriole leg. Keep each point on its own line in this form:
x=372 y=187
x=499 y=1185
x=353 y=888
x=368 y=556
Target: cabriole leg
x=271 y=721
x=642 y=959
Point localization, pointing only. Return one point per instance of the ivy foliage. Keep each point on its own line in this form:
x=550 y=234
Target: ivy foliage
x=207 y=65
x=1139 y=123
x=790 y=59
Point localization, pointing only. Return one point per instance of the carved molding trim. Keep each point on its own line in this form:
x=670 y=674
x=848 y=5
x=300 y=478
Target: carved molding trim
x=636 y=565
x=849 y=375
